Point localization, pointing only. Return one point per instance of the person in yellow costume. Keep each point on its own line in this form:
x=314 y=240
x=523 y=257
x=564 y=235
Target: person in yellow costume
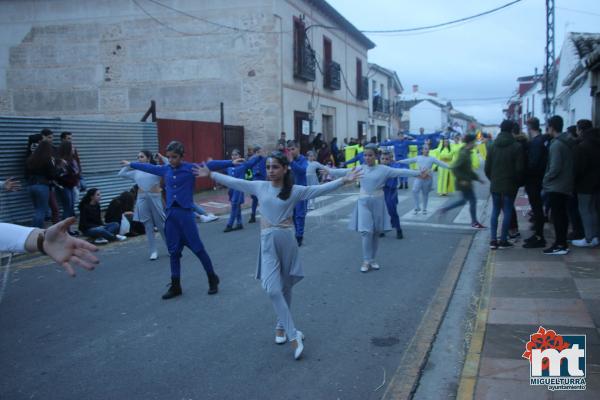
x=413 y=151
x=445 y=183
x=482 y=145
x=350 y=152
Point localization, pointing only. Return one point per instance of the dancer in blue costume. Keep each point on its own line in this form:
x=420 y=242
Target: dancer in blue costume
x=237 y=168
x=390 y=194
x=298 y=164
x=259 y=173
x=180 y=225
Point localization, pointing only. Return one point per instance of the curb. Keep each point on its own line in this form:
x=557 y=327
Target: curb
x=406 y=377
x=468 y=379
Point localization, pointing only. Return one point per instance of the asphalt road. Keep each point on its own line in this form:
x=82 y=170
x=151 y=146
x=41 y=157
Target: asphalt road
x=108 y=335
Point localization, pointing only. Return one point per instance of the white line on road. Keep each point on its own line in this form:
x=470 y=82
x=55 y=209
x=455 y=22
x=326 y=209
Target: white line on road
x=320 y=212
x=464 y=216
x=432 y=206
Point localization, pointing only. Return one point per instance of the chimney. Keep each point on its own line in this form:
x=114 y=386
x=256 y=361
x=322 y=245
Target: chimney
x=415 y=88
x=434 y=94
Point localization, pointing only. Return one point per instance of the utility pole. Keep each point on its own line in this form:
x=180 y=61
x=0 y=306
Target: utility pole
x=549 y=70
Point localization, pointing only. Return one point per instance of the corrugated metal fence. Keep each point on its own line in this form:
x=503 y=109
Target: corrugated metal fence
x=101 y=146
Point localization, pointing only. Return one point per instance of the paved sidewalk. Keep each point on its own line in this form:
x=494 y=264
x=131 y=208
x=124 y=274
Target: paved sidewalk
x=525 y=289
x=217 y=201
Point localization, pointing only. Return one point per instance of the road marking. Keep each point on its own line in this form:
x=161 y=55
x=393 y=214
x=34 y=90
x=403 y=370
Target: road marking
x=464 y=216
x=215 y=204
x=423 y=225
x=432 y=206
x=336 y=205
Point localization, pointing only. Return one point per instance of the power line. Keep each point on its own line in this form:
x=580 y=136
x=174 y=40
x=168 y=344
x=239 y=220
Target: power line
x=207 y=21
x=421 y=28
x=578 y=11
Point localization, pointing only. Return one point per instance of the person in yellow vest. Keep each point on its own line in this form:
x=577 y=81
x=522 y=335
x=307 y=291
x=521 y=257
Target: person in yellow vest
x=444 y=153
x=350 y=152
x=413 y=151
x=482 y=145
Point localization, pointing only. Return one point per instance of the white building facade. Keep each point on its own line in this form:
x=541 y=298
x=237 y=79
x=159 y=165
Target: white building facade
x=574 y=84
x=384 y=87
x=108 y=60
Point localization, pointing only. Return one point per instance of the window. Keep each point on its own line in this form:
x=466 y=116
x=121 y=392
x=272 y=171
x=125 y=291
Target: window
x=359 y=77
x=327 y=60
x=304 y=56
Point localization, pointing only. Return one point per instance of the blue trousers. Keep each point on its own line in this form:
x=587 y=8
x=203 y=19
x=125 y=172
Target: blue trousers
x=254 y=205
x=107 y=231
x=236 y=214
x=468 y=195
x=39 y=194
x=299 y=217
x=391 y=202
x=181 y=230
x=67 y=199
x=505 y=203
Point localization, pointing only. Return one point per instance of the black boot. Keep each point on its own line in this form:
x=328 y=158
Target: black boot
x=228 y=229
x=174 y=289
x=299 y=240
x=213 y=283
x=252 y=219
x=399 y=234
x=382 y=234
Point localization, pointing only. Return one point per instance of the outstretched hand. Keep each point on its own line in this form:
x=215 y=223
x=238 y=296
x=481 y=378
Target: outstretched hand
x=353 y=175
x=125 y=163
x=12 y=185
x=65 y=249
x=201 y=171
x=424 y=174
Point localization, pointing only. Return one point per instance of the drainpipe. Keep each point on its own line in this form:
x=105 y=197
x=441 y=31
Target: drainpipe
x=280 y=73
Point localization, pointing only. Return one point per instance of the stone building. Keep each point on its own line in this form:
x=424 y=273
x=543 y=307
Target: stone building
x=277 y=65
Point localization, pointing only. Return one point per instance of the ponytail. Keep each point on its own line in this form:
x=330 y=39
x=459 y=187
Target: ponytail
x=288 y=179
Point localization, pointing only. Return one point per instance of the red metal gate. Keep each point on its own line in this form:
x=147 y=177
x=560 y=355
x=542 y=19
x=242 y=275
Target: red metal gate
x=200 y=139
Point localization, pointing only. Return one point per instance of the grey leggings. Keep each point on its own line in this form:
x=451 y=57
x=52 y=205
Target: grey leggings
x=370 y=242
x=588 y=208
x=421 y=186
x=281 y=298
x=149 y=226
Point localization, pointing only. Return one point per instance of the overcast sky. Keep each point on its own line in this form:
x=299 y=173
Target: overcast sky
x=478 y=59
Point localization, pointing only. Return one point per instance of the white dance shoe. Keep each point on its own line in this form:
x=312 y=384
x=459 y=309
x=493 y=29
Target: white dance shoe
x=280 y=339
x=154 y=256
x=374 y=265
x=298 y=345
x=365 y=267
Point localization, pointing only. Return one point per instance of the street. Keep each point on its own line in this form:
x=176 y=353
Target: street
x=108 y=335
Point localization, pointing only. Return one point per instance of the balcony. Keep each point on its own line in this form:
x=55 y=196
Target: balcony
x=362 y=92
x=333 y=77
x=381 y=105
x=305 y=63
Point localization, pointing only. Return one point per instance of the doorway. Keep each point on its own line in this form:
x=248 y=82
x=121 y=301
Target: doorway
x=302 y=130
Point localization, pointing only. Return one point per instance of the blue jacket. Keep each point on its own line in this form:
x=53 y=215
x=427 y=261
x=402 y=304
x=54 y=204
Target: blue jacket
x=391 y=185
x=259 y=171
x=179 y=182
x=299 y=166
x=360 y=157
x=236 y=171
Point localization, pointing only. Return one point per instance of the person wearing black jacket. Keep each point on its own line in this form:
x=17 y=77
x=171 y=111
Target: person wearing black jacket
x=537 y=157
x=90 y=219
x=504 y=166
x=40 y=170
x=587 y=186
